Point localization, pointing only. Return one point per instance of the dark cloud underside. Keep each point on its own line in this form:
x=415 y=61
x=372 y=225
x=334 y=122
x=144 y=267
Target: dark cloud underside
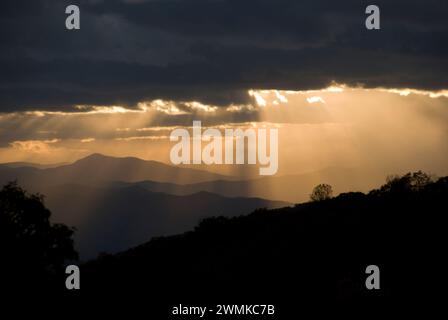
x=212 y=51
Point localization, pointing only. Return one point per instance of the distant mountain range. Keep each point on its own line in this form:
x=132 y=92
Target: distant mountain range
x=114 y=219
x=98 y=168
x=104 y=171
x=116 y=203
x=33 y=165
x=98 y=196
x=292 y=188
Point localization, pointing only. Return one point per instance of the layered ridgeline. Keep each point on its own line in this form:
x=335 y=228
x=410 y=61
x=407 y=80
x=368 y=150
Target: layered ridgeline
x=116 y=203
x=104 y=171
x=98 y=168
x=114 y=219
x=96 y=195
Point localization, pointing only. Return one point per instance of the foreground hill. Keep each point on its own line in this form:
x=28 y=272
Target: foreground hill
x=114 y=219
x=311 y=253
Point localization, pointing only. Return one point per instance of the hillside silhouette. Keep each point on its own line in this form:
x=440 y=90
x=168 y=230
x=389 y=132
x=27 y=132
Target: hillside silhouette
x=315 y=252
x=312 y=254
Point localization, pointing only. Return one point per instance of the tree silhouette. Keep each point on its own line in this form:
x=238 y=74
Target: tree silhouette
x=321 y=192
x=33 y=249
x=410 y=182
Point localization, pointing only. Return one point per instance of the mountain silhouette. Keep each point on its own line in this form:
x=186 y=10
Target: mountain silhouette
x=104 y=171
x=113 y=216
x=290 y=188
x=32 y=165
x=98 y=168
x=114 y=219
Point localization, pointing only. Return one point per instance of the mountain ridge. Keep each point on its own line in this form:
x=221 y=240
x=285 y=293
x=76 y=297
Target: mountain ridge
x=111 y=219
x=97 y=167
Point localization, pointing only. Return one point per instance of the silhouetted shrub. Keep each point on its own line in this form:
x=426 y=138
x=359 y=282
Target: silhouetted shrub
x=321 y=192
x=410 y=182
x=33 y=249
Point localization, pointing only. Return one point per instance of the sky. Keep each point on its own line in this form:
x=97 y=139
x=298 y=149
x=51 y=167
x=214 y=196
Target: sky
x=339 y=94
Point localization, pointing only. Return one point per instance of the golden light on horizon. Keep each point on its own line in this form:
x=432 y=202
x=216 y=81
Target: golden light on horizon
x=337 y=125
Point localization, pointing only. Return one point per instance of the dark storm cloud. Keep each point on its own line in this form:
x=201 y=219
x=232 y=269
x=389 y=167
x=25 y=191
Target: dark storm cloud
x=212 y=50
